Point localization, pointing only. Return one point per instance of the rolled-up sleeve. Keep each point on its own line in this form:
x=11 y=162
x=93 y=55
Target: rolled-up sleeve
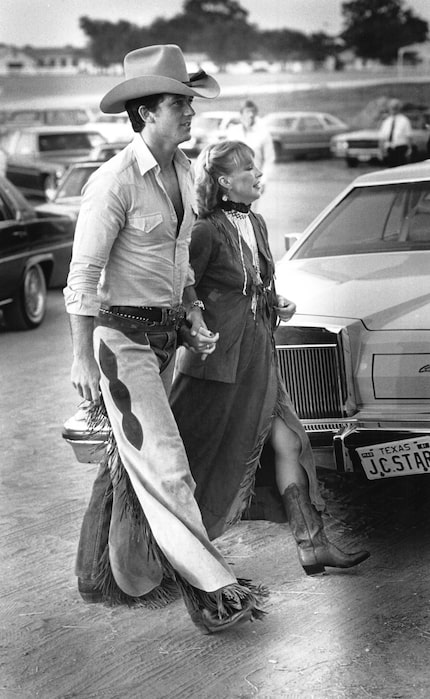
x=100 y=219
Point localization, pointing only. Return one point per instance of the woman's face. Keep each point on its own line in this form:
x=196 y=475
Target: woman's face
x=243 y=183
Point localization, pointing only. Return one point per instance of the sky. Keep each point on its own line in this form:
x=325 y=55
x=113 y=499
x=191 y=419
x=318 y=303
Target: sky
x=55 y=23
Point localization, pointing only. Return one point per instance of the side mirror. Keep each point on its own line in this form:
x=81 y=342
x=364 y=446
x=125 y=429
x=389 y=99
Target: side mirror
x=290 y=239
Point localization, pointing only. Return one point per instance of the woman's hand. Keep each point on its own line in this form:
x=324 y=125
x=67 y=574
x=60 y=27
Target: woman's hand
x=285 y=308
x=195 y=335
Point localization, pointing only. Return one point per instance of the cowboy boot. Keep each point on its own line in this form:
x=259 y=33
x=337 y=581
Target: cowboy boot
x=314 y=549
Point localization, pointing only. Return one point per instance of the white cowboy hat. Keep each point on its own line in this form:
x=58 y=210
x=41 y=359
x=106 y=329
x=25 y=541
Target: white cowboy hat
x=153 y=70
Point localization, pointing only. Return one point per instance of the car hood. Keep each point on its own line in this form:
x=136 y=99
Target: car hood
x=384 y=291
x=363 y=133
x=69 y=207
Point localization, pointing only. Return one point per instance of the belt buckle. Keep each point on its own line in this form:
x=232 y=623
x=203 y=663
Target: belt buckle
x=175 y=316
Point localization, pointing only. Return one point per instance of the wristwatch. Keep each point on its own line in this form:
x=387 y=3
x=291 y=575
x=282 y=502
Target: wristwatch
x=197 y=304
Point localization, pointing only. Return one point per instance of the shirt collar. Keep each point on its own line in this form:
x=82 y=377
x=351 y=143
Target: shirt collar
x=146 y=160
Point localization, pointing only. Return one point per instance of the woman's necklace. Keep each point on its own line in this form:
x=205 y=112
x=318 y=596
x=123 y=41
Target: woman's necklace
x=243 y=225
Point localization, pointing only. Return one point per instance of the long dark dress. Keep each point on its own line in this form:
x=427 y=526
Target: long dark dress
x=224 y=406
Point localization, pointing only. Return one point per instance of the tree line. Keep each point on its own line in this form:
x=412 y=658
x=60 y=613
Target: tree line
x=220 y=29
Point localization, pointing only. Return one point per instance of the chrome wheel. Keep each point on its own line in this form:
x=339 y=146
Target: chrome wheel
x=28 y=308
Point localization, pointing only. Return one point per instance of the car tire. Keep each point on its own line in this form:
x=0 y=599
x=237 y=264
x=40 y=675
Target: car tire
x=352 y=162
x=29 y=306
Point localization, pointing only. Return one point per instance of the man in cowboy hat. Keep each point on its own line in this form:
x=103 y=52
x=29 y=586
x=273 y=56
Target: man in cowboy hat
x=129 y=290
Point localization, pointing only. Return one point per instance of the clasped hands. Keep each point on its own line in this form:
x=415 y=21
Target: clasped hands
x=196 y=337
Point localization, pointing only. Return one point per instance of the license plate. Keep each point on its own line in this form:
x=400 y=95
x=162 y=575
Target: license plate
x=364 y=158
x=406 y=458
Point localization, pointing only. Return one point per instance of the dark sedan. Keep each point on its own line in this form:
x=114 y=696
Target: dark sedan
x=37 y=156
x=35 y=251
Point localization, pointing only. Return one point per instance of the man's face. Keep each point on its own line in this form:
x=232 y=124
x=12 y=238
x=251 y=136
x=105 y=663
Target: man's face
x=248 y=116
x=172 y=118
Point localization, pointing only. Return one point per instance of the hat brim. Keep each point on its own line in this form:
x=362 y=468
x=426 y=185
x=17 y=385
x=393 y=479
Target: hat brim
x=114 y=101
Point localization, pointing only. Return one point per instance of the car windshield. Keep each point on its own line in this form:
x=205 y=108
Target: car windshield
x=74 y=181
x=389 y=218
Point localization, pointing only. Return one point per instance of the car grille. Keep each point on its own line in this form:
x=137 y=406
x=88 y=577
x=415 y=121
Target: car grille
x=313 y=372
x=364 y=143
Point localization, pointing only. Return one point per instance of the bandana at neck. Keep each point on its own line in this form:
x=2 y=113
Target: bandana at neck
x=235 y=206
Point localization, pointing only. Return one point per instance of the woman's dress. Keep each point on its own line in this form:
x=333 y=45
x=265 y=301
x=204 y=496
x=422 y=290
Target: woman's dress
x=224 y=406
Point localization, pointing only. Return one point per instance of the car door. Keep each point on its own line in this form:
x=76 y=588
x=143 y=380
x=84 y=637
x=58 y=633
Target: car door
x=22 y=168
x=14 y=246
x=311 y=134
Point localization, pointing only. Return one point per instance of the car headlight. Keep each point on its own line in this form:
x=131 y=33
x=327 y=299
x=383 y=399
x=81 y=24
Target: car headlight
x=340 y=146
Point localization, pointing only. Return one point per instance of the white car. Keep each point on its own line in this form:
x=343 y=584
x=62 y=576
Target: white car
x=363 y=146
x=356 y=355
x=114 y=127
x=208 y=127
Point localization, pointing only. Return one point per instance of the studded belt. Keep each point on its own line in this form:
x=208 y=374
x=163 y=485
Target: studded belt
x=152 y=315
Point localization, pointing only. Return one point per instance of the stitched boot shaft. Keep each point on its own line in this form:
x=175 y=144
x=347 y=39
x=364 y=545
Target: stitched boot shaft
x=314 y=549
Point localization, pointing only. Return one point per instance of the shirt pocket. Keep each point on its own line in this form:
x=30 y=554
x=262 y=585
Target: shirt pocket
x=138 y=224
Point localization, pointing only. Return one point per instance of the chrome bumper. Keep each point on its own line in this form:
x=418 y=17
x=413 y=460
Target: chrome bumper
x=363 y=432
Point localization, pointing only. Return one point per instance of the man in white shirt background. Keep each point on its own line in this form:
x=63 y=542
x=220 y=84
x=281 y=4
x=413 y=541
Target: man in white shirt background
x=252 y=131
x=395 y=136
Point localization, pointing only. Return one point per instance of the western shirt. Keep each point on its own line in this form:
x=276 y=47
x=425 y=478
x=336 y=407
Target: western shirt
x=127 y=249
x=400 y=134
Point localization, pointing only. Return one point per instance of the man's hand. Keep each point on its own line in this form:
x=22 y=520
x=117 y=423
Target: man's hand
x=85 y=376
x=197 y=337
x=285 y=308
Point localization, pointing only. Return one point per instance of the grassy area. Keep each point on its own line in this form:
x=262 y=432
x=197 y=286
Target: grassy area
x=346 y=101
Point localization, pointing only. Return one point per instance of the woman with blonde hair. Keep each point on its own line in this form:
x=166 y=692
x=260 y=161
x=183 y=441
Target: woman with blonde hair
x=232 y=402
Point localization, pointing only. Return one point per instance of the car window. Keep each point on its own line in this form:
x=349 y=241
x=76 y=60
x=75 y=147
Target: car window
x=62 y=117
x=74 y=181
x=68 y=141
x=329 y=120
x=282 y=122
x=309 y=123
x=374 y=219
x=24 y=144
x=5 y=212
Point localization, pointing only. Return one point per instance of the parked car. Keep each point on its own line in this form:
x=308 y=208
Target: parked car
x=14 y=117
x=67 y=197
x=363 y=146
x=104 y=151
x=356 y=355
x=37 y=156
x=208 y=127
x=302 y=134
x=114 y=127
x=35 y=250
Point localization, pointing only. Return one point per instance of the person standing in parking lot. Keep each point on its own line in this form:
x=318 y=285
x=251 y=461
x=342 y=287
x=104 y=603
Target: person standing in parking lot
x=252 y=131
x=395 y=136
x=129 y=289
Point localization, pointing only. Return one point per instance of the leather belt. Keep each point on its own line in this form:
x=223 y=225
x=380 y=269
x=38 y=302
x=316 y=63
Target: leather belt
x=148 y=314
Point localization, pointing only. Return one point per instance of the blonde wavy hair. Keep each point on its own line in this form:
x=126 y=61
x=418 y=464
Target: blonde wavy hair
x=214 y=161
